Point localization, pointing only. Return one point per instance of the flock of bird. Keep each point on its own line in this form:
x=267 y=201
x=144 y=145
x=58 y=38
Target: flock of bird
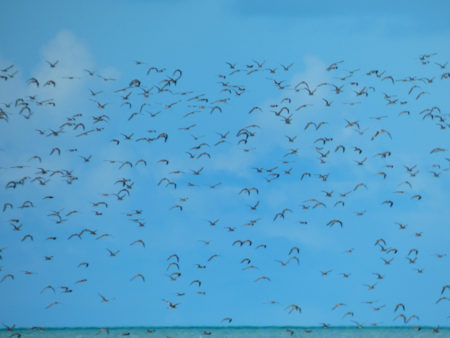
x=290 y=160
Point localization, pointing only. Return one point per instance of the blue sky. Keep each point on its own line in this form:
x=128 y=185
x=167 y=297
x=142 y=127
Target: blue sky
x=199 y=38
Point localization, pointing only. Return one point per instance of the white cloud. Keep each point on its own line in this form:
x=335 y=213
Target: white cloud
x=72 y=57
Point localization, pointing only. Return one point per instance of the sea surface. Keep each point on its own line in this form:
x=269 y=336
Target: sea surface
x=227 y=332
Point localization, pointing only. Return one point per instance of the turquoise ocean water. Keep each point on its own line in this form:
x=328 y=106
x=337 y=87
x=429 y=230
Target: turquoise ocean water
x=228 y=332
